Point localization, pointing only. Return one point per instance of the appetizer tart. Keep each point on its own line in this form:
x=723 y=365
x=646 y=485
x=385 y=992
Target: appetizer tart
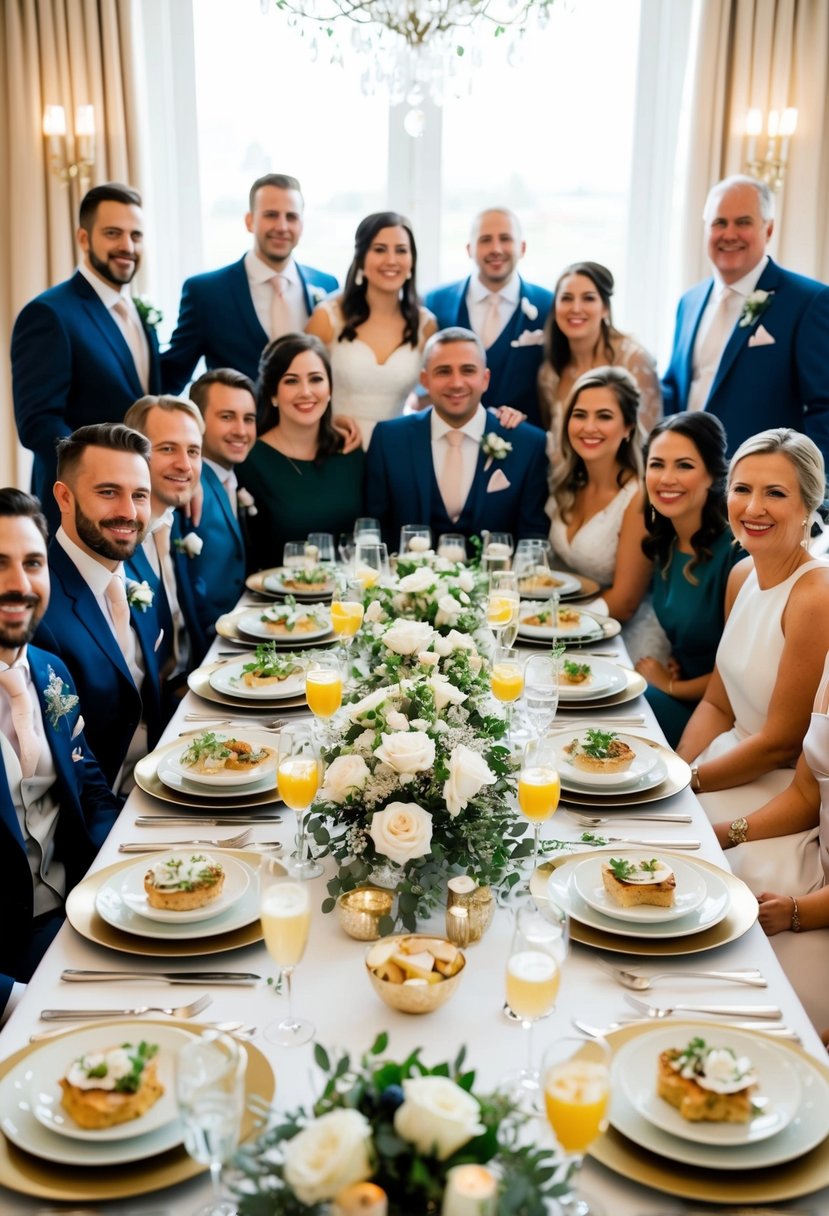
x=632 y=883
x=182 y=883
x=600 y=751
x=306 y=579
x=117 y=1085
x=539 y=580
x=707 y=1084
x=269 y=667
x=209 y=753
x=556 y=618
x=575 y=673
x=286 y=619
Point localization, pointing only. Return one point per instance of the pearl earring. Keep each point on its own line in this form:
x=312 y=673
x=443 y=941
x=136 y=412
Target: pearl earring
x=804 y=544
x=359 y=278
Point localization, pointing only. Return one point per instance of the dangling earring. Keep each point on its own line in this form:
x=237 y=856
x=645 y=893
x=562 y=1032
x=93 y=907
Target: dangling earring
x=651 y=514
x=804 y=544
x=359 y=278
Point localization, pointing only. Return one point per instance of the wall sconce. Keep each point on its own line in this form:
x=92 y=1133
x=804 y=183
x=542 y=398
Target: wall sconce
x=770 y=167
x=54 y=131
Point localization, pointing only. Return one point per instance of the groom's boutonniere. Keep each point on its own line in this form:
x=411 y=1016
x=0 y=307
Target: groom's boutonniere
x=317 y=294
x=59 y=700
x=191 y=544
x=755 y=305
x=529 y=309
x=139 y=595
x=149 y=314
x=244 y=501
x=494 y=448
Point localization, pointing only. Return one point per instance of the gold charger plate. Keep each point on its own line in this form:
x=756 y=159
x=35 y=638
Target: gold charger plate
x=677 y=778
x=802 y=1176
x=198 y=682
x=227 y=628
x=30 y=1175
x=742 y=913
x=82 y=916
x=634 y=688
x=589 y=589
x=256 y=582
x=148 y=780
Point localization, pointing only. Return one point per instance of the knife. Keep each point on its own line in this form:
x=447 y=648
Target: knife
x=215 y=821
x=73 y=976
x=649 y=843
x=161 y=847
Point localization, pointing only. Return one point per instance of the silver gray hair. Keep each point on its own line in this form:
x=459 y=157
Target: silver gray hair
x=765 y=197
x=805 y=456
x=454 y=333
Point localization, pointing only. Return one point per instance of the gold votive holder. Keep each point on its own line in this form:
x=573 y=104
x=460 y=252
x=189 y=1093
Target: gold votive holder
x=360 y=911
x=464 y=892
x=457 y=926
x=361 y=1199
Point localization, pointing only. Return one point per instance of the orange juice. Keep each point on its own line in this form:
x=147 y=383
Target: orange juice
x=297 y=780
x=576 y=1095
x=507 y=681
x=499 y=610
x=285 y=912
x=346 y=617
x=323 y=692
x=532 y=983
x=539 y=790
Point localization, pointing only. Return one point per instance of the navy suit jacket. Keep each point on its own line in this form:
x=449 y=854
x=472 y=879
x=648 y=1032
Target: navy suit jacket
x=218 y=572
x=401 y=487
x=88 y=809
x=782 y=383
x=513 y=368
x=190 y=589
x=71 y=367
x=138 y=569
x=75 y=629
x=217 y=320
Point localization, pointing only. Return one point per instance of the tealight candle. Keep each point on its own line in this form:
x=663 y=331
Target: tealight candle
x=457 y=926
x=361 y=1199
x=360 y=912
x=471 y=1190
x=418 y=544
x=497 y=549
x=452 y=553
x=464 y=892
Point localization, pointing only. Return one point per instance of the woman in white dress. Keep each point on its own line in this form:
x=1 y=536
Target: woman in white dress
x=747 y=732
x=375 y=328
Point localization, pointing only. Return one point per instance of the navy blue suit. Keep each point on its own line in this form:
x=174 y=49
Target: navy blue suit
x=513 y=368
x=138 y=569
x=71 y=367
x=218 y=572
x=783 y=383
x=401 y=487
x=88 y=809
x=217 y=320
x=75 y=629
x=190 y=589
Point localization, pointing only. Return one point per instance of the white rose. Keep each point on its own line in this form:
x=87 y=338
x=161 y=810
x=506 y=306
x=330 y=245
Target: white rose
x=468 y=774
x=445 y=691
x=475 y=663
x=442 y=646
x=419 y=580
x=409 y=751
x=373 y=611
x=401 y=831
x=406 y=637
x=140 y=595
x=466 y=580
x=343 y=776
x=191 y=544
x=328 y=1155
x=397 y=721
x=372 y=701
x=419 y=724
x=427 y=658
x=437 y=1116
x=460 y=641
x=448 y=611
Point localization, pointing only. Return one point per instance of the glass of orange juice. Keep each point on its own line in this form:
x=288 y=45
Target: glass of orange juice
x=576 y=1079
x=539 y=948
x=347 y=612
x=285 y=913
x=324 y=686
x=506 y=680
x=539 y=786
x=298 y=777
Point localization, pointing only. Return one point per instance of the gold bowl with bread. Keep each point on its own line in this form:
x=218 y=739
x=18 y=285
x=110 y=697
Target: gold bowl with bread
x=414 y=972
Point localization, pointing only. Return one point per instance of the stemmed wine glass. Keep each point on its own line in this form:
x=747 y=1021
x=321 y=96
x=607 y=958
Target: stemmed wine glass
x=298 y=777
x=371 y=562
x=506 y=681
x=502 y=606
x=498 y=549
x=285 y=913
x=324 y=689
x=576 y=1078
x=538 y=950
x=539 y=786
x=347 y=613
x=210 y=1093
x=541 y=691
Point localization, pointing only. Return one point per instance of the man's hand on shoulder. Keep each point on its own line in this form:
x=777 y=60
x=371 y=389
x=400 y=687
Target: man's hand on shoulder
x=508 y=416
x=350 y=431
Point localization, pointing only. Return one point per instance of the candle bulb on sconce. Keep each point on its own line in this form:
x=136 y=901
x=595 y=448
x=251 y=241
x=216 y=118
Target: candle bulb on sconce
x=770 y=165
x=56 y=135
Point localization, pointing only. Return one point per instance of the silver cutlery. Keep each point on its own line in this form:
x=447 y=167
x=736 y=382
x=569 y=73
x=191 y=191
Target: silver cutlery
x=775 y=1030
x=238 y=1028
x=770 y=1012
x=595 y=821
x=228 y=842
x=636 y=720
x=82 y=1015
x=73 y=975
x=597 y=654
x=641 y=983
x=203 y=821
x=274 y=726
x=158 y=846
x=650 y=843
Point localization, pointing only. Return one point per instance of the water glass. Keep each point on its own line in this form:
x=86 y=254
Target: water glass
x=293 y=555
x=367 y=528
x=319 y=548
x=415 y=540
x=371 y=562
x=541 y=691
x=452 y=547
x=497 y=551
x=210 y=1093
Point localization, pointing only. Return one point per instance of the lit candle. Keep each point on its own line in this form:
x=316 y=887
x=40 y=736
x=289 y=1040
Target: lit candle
x=457 y=926
x=361 y=1199
x=462 y=884
x=471 y=1190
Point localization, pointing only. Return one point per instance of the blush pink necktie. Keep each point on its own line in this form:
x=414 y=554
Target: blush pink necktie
x=281 y=322
x=136 y=341
x=119 y=610
x=710 y=349
x=452 y=479
x=492 y=321
x=13 y=681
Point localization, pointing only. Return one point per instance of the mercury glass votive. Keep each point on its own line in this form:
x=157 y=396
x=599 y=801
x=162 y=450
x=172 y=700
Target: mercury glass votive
x=464 y=892
x=361 y=910
x=361 y=1199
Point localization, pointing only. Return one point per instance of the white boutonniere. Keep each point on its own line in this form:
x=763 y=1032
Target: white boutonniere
x=149 y=314
x=191 y=544
x=756 y=304
x=59 y=700
x=244 y=501
x=494 y=448
x=139 y=595
x=529 y=309
x=317 y=294
x=529 y=337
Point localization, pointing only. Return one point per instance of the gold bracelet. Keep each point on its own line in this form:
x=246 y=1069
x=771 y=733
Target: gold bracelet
x=795 y=925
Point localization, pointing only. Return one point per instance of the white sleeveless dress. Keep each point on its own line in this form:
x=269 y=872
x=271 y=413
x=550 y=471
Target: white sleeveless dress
x=371 y=392
x=592 y=553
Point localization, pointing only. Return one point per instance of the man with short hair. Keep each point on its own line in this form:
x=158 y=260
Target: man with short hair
x=103 y=628
x=55 y=806
x=228 y=316
x=81 y=351
x=752 y=342
x=454 y=466
x=505 y=312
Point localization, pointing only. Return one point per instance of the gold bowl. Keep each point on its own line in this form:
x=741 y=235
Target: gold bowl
x=359 y=911
x=416 y=998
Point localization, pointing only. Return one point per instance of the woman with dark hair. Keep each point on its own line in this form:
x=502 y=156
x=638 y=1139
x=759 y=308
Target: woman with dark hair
x=296 y=472
x=580 y=335
x=375 y=328
x=693 y=551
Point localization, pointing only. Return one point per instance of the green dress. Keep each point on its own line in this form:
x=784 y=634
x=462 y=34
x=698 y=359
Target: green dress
x=693 y=616
x=295 y=497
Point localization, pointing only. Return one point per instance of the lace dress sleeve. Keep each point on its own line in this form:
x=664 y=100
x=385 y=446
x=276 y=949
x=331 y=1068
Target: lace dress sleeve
x=642 y=367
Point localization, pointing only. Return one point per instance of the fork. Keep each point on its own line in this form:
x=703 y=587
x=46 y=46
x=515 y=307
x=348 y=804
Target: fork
x=238 y=1028
x=80 y=1015
x=229 y=842
x=641 y=983
x=771 y=1012
x=775 y=1030
x=275 y=724
x=595 y=821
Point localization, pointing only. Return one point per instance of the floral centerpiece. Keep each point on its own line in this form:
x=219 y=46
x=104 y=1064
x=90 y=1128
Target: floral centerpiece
x=442 y=593
x=404 y=1126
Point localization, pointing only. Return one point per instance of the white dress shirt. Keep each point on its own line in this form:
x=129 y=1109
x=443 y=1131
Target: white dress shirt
x=473 y=433
x=109 y=297
x=259 y=281
x=703 y=378
x=477 y=303
x=229 y=481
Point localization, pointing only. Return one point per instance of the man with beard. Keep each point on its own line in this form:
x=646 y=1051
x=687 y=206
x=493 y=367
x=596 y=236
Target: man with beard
x=55 y=806
x=81 y=351
x=102 y=626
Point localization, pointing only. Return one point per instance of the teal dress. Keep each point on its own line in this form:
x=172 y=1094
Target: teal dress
x=295 y=497
x=693 y=616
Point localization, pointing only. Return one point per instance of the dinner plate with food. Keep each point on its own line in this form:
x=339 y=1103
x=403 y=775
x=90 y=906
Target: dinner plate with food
x=302 y=581
x=220 y=760
x=288 y=622
x=266 y=675
x=546 y=622
x=541 y=583
x=604 y=759
x=645 y=889
x=583 y=679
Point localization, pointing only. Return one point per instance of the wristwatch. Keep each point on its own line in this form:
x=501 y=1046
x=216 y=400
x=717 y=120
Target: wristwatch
x=738 y=832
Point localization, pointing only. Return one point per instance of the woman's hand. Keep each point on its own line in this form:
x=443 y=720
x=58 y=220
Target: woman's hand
x=775 y=912
x=508 y=417
x=721 y=831
x=349 y=429
x=674 y=669
x=657 y=674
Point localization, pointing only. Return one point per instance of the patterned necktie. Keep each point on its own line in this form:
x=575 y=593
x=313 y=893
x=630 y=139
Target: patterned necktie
x=281 y=320
x=14 y=683
x=451 y=480
x=492 y=321
x=119 y=611
x=135 y=340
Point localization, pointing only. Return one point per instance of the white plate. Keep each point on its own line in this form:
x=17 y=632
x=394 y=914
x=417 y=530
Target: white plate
x=645 y=760
x=690 y=891
x=607 y=679
x=253 y=625
x=112 y=907
x=711 y=911
x=129 y=884
x=568 y=585
x=32 y=1123
x=170 y=765
x=228 y=679
x=275 y=582
x=637 y=785
x=588 y=626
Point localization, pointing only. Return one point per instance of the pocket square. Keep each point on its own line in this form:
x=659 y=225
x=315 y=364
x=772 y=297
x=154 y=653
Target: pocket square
x=497 y=482
x=77 y=755
x=761 y=337
x=158 y=640
x=79 y=725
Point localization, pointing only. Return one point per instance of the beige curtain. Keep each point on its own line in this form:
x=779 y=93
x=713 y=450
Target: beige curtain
x=69 y=53
x=770 y=54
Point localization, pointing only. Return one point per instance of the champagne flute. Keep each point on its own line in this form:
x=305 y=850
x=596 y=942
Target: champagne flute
x=415 y=540
x=498 y=549
x=210 y=1094
x=538 y=950
x=502 y=603
x=452 y=547
x=506 y=681
x=539 y=786
x=324 y=689
x=298 y=776
x=347 y=612
x=576 y=1078
x=285 y=912
x=531 y=560
x=371 y=562
x=541 y=691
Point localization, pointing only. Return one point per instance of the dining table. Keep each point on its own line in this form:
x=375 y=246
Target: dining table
x=331 y=986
